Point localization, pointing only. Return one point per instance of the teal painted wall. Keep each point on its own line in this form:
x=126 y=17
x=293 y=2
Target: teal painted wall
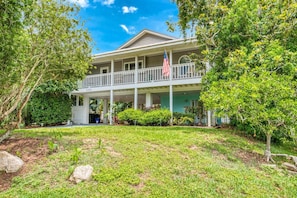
x=179 y=101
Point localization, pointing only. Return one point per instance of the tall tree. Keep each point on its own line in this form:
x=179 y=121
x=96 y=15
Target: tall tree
x=40 y=41
x=251 y=45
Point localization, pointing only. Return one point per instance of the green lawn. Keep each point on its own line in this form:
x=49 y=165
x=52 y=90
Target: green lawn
x=153 y=162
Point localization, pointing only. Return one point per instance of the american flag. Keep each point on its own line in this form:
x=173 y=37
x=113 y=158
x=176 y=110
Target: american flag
x=166 y=67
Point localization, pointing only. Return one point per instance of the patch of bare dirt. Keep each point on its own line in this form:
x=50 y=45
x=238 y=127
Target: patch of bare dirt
x=219 y=155
x=112 y=152
x=143 y=177
x=250 y=158
x=30 y=150
x=90 y=143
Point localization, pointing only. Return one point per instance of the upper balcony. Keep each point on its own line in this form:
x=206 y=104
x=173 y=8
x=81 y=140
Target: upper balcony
x=185 y=73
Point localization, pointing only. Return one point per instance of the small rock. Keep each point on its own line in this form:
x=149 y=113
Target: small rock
x=10 y=163
x=81 y=173
x=290 y=167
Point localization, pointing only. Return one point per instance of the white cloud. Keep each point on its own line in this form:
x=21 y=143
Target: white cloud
x=130 y=30
x=105 y=2
x=81 y=3
x=130 y=9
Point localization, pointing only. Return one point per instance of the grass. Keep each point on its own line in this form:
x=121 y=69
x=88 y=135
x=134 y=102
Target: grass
x=153 y=162
x=2 y=132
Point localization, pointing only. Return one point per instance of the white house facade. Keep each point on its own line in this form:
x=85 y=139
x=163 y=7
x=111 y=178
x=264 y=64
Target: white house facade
x=133 y=73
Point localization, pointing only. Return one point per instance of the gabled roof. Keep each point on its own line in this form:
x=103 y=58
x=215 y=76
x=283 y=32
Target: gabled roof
x=146 y=37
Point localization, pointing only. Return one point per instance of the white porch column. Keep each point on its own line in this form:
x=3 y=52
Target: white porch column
x=148 y=100
x=136 y=70
x=112 y=72
x=105 y=106
x=111 y=93
x=209 y=118
x=86 y=106
x=110 y=108
x=171 y=102
x=135 y=98
x=170 y=68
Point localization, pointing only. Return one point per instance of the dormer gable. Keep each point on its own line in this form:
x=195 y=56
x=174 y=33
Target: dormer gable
x=146 y=37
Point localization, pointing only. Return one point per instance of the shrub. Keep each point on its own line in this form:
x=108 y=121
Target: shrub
x=256 y=133
x=156 y=117
x=183 y=118
x=130 y=115
x=49 y=108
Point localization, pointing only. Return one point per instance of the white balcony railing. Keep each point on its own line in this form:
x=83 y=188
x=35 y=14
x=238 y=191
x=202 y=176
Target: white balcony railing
x=98 y=80
x=124 y=77
x=152 y=74
x=146 y=75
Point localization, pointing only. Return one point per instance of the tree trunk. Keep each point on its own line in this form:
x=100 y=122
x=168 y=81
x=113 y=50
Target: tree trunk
x=5 y=135
x=267 y=151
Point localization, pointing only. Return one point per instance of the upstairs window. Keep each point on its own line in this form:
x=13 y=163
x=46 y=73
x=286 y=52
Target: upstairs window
x=131 y=66
x=184 y=59
x=185 y=68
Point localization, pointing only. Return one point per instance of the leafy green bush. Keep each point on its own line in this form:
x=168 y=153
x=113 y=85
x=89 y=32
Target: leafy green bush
x=49 y=108
x=156 y=117
x=150 y=118
x=183 y=118
x=130 y=115
x=256 y=133
x=49 y=104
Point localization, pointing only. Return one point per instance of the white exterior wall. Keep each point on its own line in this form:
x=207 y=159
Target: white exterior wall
x=77 y=114
x=80 y=114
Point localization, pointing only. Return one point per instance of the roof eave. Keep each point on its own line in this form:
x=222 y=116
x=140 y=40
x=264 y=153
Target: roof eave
x=121 y=52
x=143 y=32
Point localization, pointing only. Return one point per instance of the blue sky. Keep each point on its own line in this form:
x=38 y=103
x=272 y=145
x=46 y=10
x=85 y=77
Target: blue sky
x=111 y=23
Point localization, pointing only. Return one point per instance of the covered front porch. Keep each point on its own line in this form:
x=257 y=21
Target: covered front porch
x=175 y=98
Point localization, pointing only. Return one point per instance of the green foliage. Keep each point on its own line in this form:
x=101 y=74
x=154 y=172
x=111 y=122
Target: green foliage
x=75 y=156
x=132 y=116
x=52 y=146
x=178 y=115
x=158 y=117
x=258 y=93
x=100 y=144
x=186 y=121
x=121 y=106
x=251 y=47
x=183 y=118
x=40 y=41
x=49 y=103
x=49 y=108
x=56 y=86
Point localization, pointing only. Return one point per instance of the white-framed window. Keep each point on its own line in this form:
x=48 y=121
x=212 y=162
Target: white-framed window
x=184 y=59
x=104 y=70
x=131 y=65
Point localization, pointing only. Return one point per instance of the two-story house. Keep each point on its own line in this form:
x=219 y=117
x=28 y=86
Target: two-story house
x=133 y=73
